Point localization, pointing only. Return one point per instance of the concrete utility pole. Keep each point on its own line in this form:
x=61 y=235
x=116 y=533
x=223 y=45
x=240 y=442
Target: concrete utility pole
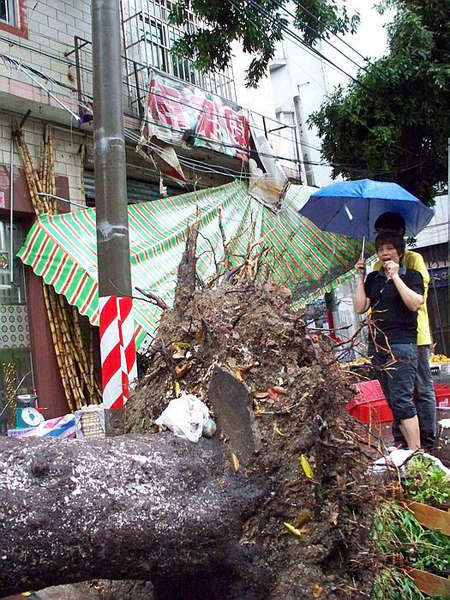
x=303 y=137
x=114 y=276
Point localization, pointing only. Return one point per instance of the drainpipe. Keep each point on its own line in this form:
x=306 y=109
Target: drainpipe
x=303 y=137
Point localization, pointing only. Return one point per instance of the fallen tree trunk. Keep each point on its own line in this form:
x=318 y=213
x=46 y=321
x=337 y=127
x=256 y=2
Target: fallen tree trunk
x=134 y=507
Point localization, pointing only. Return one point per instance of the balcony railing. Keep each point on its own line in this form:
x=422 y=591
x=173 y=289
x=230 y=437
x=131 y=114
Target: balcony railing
x=148 y=39
x=77 y=62
x=282 y=137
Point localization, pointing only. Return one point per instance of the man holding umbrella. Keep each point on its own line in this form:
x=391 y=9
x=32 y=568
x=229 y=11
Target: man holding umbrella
x=394 y=294
x=424 y=397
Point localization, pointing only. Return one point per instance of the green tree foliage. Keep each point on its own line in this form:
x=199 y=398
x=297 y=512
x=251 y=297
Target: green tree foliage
x=393 y=124
x=257 y=25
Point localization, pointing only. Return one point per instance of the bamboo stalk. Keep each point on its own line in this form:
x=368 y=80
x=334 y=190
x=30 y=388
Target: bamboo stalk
x=28 y=176
x=62 y=346
x=82 y=184
x=68 y=350
x=69 y=354
x=81 y=352
x=45 y=160
x=76 y=365
x=41 y=170
x=52 y=169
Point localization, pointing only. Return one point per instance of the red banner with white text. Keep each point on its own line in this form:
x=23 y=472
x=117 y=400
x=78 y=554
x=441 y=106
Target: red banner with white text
x=184 y=115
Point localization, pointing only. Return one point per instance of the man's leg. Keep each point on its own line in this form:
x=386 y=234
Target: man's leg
x=424 y=398
x=401 y=388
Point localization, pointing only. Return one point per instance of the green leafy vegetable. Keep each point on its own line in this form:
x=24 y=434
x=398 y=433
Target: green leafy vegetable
x=426 y=482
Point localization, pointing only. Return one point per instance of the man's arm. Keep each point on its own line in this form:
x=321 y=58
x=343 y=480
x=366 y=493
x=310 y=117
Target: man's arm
x=360 y=300
x=414 y=260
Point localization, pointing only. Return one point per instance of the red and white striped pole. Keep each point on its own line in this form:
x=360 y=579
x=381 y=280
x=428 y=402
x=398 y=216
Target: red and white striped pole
x=117 y=350
x=113 y=247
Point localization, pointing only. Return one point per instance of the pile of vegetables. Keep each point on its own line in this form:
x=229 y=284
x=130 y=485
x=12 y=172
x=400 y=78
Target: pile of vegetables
x=404 y=542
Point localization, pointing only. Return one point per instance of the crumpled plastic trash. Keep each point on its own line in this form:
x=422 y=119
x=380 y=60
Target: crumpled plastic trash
x=185 y=416
x=399 y=458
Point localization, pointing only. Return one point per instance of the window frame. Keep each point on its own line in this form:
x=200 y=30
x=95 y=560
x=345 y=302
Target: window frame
x=18 y=25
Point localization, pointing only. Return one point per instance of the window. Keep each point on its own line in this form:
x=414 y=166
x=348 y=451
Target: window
x=13 y=17
x=181 y=68
x=149 y=38
x=153 y=33
x=15 y=343
x=8 y=12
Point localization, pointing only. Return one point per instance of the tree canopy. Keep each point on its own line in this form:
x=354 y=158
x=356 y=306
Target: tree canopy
x=393 y=123
x=257 y=24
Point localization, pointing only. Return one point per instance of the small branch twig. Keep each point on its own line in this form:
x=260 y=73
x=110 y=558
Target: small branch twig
x=154 y=298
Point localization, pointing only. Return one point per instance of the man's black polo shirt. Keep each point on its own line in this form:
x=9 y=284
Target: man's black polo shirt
x=389 y=312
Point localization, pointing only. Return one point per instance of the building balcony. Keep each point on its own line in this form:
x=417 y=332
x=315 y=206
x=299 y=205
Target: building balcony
x=58 y=87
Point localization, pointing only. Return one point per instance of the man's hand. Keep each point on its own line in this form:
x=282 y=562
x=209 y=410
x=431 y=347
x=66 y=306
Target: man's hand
x=361 y=267
x=391 y=268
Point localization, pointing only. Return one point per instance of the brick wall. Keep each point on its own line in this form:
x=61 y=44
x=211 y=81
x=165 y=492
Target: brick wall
x=52 y=24
x=66 y=148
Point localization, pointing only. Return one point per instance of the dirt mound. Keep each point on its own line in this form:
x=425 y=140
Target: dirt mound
x=312 y=530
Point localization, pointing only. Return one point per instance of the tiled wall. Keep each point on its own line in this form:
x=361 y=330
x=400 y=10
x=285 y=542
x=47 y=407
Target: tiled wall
x=66 y=149
x=52 y=25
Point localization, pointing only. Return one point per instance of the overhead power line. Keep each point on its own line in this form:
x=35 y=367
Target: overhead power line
x=302 y=43
x=323 y=38
x=296 y=37
x=332 y=32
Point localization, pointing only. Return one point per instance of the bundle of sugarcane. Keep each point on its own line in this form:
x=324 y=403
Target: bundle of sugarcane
x=86 y=359
x=9 y=385
x=76 y=352
x=32 y=177
x=58 y=346
x=75 y=364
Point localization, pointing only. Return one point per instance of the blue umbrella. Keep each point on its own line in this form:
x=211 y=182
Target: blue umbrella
x=352 y=207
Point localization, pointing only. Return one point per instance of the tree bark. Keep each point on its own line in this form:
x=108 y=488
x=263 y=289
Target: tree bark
x=152 y=508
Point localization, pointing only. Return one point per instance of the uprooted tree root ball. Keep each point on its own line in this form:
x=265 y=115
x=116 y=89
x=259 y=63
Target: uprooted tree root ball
x=311 y=531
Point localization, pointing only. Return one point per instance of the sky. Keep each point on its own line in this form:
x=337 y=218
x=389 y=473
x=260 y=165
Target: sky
x=370 y=40
x=317 y=78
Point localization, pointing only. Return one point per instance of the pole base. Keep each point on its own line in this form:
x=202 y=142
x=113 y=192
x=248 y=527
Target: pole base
x=114 y=422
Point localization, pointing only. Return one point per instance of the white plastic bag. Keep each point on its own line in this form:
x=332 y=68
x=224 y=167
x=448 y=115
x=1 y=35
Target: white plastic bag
x=185 y=416
x=399 y=458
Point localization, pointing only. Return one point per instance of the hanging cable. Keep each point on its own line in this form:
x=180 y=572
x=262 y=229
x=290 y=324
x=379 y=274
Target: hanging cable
x=294 y=36
x=304 y=44
x=321 y=37
x=332 y=32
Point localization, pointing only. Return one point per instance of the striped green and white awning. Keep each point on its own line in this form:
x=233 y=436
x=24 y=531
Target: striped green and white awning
x=62 y=248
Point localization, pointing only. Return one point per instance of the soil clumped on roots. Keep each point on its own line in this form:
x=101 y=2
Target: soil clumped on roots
x=311 y=532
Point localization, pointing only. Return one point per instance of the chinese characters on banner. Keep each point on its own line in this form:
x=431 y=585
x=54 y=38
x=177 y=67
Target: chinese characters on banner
x=181 y=114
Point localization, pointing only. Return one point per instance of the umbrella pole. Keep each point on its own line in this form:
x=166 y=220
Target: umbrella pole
x=363 y=247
